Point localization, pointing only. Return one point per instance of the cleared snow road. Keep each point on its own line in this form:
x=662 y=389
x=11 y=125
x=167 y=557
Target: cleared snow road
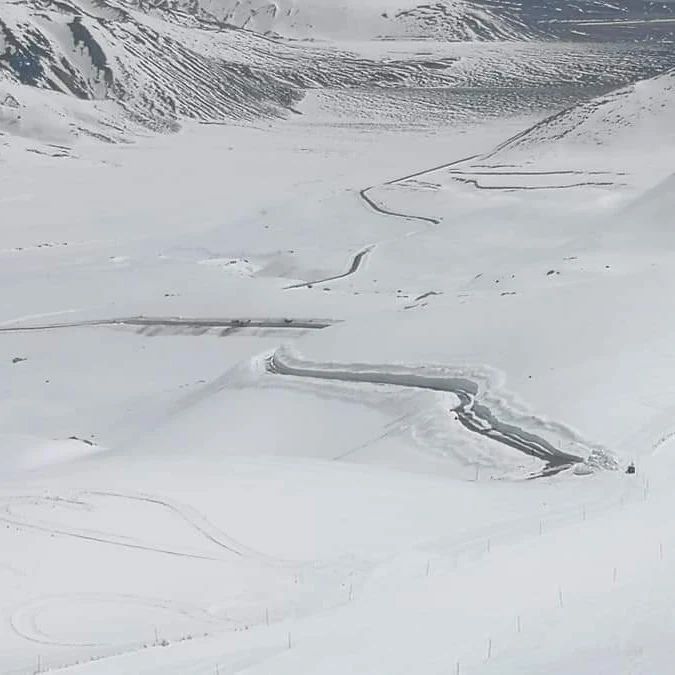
x=356 y=263
x=474 y=416
x=179 y=322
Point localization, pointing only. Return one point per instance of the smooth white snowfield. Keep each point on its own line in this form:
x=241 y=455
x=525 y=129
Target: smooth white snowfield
x=170 y=503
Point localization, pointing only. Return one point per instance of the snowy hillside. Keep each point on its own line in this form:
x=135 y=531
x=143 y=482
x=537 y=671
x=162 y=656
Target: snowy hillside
x=159 y=70
x=350 y=19
x=149 y=66
x=626 y=117
x=453 y=20
x=100 y=52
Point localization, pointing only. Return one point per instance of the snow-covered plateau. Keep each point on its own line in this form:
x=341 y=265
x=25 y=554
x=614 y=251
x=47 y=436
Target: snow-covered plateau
x=329 y=331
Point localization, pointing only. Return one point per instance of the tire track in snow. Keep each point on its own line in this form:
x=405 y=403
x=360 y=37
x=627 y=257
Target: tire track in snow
x=197 y=521
x=18 y=522
x=24 y=619
x=8 y=516
x=191 y=516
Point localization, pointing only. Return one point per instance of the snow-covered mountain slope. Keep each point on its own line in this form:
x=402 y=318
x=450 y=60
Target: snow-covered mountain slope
x=151 y=65
x=440 y=19
x=625 y=138
x=354 y=19
x=99 y=51
x=159 y=69
x=601 y=166
x=626 y=122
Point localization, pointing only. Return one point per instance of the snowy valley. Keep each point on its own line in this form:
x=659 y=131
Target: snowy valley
x=329 y=332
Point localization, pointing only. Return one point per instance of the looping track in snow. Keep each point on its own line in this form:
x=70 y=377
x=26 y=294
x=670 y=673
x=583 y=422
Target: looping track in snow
x=218 y=545
x=474 y=416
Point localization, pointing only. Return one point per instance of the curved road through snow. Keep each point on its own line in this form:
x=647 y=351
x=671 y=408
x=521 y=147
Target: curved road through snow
x=474 y=416
x=356 y=263
x=383 y=211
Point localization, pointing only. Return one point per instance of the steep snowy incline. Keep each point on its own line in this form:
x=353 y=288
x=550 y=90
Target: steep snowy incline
x=103 y=52
x=455 y=20
x=155 y=68
x=355 y=19
x=121 y=65
x=626 y=117
x=612 y=147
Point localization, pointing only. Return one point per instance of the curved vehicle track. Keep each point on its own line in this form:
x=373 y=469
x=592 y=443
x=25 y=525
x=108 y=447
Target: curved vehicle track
x=189 y=515
x=24 y=620
x=221 y=547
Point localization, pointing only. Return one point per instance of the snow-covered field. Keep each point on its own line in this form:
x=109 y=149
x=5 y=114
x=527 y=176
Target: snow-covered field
x=347 y=389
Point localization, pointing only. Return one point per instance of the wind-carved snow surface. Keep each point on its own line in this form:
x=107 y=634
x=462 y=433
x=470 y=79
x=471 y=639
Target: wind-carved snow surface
x=445 y=19
x=124 y=67
x=457 y=20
